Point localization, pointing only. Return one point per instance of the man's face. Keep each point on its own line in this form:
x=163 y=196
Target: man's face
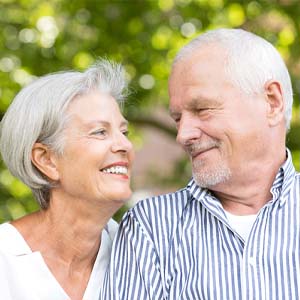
x=222 y=129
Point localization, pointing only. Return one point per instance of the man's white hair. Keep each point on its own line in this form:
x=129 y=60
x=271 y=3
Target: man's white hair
x=250 y=62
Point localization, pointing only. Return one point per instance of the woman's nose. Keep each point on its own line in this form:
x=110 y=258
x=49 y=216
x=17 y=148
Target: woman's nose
x=121 y=143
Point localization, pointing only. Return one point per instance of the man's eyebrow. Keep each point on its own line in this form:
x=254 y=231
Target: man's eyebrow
x=202 y=102
x=196 y=103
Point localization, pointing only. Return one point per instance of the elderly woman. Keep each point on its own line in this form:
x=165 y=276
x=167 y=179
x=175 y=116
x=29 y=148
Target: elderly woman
x=65 y=138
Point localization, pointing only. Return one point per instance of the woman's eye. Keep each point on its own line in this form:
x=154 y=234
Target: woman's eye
x=125 y=132
x=99 y=132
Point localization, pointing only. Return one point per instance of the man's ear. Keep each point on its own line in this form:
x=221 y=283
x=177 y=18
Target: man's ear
x=274 y=98
x=43 y=159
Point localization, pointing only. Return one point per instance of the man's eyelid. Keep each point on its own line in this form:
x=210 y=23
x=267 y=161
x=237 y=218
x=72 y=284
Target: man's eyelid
x=175 y=116
x=202 y=109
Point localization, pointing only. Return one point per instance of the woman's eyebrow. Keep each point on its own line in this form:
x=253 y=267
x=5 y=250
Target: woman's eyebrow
x=104 y=122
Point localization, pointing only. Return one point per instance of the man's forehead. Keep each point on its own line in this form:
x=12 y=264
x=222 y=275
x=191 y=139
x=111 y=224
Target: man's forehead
x=207 y=53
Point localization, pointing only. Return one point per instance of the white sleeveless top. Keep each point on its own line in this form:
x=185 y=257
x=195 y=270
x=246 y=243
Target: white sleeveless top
x=24 y=274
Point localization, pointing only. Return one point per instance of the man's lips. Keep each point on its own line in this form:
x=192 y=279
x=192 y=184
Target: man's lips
x=197 y=153
x=197 y=149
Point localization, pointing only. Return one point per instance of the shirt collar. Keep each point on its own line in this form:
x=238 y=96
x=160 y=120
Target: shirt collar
x=208 y=200
x=281 y=185
x=284 y=179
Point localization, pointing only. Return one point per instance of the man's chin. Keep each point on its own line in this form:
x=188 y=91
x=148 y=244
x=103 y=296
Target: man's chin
x=211 y=179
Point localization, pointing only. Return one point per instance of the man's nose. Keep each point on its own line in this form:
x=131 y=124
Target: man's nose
x=188 y=130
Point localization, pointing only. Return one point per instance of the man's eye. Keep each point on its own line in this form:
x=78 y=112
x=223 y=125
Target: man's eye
x=199 y=110
x=177 y=122
x=204 y=111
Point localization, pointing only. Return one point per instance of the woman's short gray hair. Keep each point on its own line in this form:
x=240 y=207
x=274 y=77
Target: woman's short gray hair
x=38 y=114
x=251 y=61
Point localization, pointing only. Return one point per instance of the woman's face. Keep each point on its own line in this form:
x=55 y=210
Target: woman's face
x=97 y=157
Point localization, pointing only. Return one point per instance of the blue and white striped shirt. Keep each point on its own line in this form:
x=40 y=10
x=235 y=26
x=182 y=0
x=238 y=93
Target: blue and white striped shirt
x=181 y=246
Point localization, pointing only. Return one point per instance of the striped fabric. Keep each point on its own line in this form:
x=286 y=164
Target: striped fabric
x=180 y=246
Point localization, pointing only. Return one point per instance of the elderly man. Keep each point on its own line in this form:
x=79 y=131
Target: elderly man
x=234 y=231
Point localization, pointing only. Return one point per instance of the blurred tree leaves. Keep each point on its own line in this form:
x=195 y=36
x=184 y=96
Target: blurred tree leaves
x=38 y=37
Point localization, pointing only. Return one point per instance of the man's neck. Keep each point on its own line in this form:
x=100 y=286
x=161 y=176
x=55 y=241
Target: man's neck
x=247 y=194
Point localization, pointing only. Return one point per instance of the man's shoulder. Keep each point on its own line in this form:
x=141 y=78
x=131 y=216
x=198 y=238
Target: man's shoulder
x=297 y=179
x=294 y=177
x=169 y=201
x=161 y=209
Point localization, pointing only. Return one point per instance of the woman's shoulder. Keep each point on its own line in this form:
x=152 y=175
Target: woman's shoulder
x=7 y=233
x=11 y=241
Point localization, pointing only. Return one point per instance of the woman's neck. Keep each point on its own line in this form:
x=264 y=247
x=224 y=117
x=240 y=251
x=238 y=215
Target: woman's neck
x=68 y=236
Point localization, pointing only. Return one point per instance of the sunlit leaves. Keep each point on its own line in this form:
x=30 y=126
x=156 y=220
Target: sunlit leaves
x=147 y=81
x=253 y=9
x=49 y=31
x=215 y=4
x=188 y=29
x=41 y=36
x=135 y=26
x=160 y=40
x=165 y=5
x=286 y=36
x=22 y=77
x=82 y=60
x=296 y=159
x=16 y=188
x=236 y=15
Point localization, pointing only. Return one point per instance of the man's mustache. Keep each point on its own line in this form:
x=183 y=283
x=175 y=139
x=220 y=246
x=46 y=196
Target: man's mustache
x=197 y=148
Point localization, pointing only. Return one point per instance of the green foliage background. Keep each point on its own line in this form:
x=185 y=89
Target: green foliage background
x=38 y=37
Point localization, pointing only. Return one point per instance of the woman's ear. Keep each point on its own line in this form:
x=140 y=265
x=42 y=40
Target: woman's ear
x=276 y=106
x=43 y=159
